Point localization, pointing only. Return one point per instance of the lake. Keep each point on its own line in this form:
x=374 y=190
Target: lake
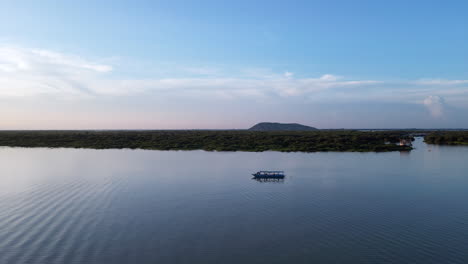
x=141 y=206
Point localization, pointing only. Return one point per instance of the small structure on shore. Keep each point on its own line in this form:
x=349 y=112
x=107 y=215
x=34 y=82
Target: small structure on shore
x=405 y=142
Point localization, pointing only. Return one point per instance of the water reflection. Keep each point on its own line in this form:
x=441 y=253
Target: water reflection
x=405 y=153
x=277 y=180
x=135 y=206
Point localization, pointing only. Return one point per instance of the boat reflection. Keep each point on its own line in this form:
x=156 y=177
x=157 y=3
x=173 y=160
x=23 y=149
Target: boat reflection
x=275 y=180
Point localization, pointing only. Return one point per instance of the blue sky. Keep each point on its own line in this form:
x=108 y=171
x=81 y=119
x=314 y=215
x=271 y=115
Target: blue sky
x=230 y=64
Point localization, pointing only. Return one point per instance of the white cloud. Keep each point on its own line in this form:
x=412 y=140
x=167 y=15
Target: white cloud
x=440 y=82
x=277 y=85
x=27 y=72
x=329 y=77
x=435 y=105
x=288 y=74
x=30 y=72
x=13 y=59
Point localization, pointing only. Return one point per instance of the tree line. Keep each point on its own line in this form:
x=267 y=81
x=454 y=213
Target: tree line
x=228 y=140
x=447 y=138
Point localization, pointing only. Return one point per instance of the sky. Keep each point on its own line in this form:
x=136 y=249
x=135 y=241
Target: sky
x=230 y=64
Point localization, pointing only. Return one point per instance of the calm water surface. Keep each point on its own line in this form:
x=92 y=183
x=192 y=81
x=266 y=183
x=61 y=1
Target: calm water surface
x=136 y=206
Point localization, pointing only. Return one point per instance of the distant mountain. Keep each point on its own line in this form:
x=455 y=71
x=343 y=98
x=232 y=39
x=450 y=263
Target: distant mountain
x=266 y=126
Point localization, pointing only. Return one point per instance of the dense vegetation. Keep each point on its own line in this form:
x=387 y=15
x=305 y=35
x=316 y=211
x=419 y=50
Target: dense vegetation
x=447 y=138
x=305 y=141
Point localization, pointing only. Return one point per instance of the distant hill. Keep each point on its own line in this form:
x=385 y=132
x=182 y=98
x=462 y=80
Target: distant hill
x=266 y=126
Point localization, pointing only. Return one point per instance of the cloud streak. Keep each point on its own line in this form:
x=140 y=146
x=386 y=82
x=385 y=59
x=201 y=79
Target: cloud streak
x=441 y=82
x=13 y=59
x=31 y=72
x=27 y=72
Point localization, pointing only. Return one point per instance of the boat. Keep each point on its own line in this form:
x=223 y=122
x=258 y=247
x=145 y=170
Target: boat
x=269 y=174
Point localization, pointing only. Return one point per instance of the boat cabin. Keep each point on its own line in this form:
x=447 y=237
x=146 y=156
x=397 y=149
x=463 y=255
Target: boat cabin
x=269 y=174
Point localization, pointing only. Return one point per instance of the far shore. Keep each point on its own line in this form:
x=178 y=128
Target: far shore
x=213 y=140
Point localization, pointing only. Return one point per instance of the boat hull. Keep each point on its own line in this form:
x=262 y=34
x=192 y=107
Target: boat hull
x=268 y=176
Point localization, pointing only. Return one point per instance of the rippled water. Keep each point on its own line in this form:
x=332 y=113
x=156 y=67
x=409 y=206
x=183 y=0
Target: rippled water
x=136 y=206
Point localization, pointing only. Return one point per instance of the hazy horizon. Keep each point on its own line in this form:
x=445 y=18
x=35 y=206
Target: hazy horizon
x=234 y=128
x=229 y=65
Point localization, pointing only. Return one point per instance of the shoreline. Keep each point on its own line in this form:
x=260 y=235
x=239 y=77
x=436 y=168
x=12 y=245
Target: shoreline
x=221 y=140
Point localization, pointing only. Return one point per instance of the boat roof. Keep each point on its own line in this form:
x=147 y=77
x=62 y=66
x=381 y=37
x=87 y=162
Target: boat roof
x=273 y=171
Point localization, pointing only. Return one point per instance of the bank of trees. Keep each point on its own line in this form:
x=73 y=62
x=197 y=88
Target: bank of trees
x=447 y=138
x=229 y=140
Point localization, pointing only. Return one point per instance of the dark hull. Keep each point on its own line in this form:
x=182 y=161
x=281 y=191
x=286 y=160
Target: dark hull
x=268 y=176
